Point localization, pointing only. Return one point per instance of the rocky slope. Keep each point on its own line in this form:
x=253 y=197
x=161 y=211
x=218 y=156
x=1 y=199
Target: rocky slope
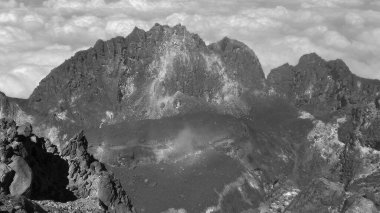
x=31 y=168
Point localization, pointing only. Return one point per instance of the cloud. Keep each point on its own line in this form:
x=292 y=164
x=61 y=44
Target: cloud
x=38 y=35
x=8 y=4
x=20 y=80
x=333 y=38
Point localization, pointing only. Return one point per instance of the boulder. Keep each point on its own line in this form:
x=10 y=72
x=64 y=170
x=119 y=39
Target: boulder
x=112 y=196
x=107 y=193
x=25 y=130
x=22 y=181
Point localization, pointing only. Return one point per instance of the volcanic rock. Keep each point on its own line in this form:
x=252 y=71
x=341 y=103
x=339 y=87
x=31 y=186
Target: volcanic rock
x=321 y=196
x=6 y=123
x=31 y=166
x=22 y=181
x=162 y=72
x=87 y=177
x=111 y=194
x=19 y=204
x=25 y=130
x=321 y=86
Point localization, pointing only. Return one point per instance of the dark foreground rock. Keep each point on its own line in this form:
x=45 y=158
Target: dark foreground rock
x=18 y=204
x=32 y=169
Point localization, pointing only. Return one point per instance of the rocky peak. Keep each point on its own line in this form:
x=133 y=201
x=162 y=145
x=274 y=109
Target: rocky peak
x=178 y=32
x=164 y=71
x=322 y=85
x=311 y=58
x=339 y=69
x=242 y=60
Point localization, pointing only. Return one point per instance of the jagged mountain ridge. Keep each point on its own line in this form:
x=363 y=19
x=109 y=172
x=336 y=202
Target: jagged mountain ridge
x=161 y=72
x=168 y=70
x=322 y=86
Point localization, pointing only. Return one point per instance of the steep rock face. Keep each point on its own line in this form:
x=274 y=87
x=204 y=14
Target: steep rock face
x=321 y=86
x=32 y=167
x=161 y=72
x=88 y=177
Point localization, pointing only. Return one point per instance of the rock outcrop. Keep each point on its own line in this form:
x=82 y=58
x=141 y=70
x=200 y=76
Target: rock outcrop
x=88 y=177
x=32 y=168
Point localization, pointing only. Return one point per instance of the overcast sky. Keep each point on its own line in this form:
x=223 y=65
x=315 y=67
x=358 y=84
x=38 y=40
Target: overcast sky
x=38 y=35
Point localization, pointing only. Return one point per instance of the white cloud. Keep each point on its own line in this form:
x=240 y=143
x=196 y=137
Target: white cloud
x=74 y=4
x=8 y=17
x=333 y=38
x=85 y=21
x=19 y=81
x=8 y=4
x=331 y=3
x=122 y=27
x=354 y=19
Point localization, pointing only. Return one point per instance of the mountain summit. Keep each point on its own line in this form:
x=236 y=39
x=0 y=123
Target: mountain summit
x=164 y=71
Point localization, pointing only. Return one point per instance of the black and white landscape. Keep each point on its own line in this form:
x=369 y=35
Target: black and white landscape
x=159 y=120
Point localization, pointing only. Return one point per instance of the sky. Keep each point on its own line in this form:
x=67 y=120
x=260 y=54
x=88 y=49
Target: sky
x=38 y=35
